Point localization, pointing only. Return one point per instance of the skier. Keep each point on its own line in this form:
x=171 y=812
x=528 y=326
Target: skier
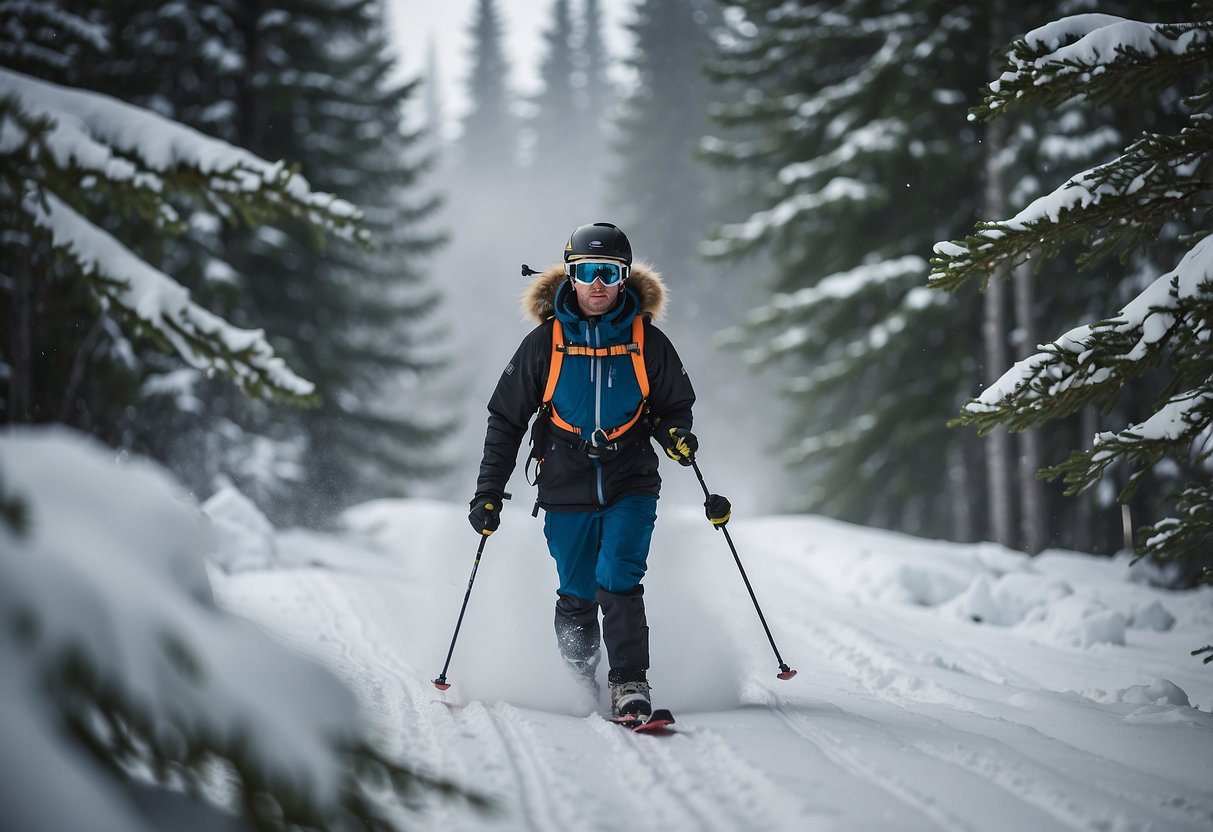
x=600 y=380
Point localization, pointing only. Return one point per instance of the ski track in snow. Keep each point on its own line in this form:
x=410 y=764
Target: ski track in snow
x=1127 y=798
x=880 y=729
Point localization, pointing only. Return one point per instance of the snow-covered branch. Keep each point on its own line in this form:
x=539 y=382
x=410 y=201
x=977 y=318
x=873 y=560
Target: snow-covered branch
x=1098 y=57
x=1120 y=205
x=1094 y=360
x=112 y=644
x=162 y=306
x=789 y=320
x=737 y=238
x=1155 y=177
x=120 y=143
x=62 y=150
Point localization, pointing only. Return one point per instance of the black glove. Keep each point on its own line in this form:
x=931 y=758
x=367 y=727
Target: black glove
x=718 y=509
x=485 y=515
x=680 y=445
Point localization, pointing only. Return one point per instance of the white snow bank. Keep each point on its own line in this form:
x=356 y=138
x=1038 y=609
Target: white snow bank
x=245 y=537
x=108 y=578
x=1007 y=600
x=1154 y=692
x=1065 y=599
x=1077 y=622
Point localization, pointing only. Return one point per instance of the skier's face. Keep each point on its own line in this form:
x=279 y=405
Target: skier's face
x=596 y=299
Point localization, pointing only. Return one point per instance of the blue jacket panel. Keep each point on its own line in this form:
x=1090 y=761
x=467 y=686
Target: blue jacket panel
x=596 y=393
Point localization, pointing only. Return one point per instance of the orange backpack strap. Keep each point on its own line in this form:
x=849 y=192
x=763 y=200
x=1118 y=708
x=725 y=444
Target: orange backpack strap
x=642 y=375
x=557 y=360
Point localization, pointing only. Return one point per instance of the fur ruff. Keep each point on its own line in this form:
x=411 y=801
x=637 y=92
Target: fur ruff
x=539 y=298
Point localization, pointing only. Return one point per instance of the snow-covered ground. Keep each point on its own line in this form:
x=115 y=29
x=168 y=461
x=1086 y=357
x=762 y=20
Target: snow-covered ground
x=940 y=686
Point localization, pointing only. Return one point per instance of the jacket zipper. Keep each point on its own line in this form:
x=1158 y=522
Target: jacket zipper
x=596 y=375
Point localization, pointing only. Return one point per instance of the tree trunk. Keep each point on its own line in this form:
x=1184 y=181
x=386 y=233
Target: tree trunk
x=994 y=323
x=1033 y=531
x=962 y=486
x=20 y=384
x=1085 y=539
x=996 y=353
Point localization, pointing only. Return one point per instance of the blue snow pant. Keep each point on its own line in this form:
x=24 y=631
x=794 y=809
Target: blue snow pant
x=601 y=557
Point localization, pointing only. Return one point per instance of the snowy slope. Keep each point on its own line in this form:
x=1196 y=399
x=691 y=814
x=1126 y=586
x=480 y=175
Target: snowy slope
x=1072 y=703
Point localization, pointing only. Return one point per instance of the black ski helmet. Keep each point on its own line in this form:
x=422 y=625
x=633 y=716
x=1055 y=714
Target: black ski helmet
x=599 y=239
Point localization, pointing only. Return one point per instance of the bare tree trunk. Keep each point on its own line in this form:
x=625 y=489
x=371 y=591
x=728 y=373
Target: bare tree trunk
x=79 y=367
x=20 y=385
x=1085 y=539
x=962 y=487
x=994 y=324
x=998 y=442
x=1033 y=531
x=996 y=353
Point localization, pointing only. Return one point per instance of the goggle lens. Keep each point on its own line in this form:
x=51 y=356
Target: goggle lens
x=587 y=271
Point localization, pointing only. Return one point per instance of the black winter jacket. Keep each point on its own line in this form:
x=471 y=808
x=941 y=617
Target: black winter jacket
x=573 y=475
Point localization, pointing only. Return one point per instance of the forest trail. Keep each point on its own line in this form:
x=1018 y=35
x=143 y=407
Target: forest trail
x=904 y=714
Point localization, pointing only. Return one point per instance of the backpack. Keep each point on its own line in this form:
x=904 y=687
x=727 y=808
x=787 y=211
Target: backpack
x=547 y=414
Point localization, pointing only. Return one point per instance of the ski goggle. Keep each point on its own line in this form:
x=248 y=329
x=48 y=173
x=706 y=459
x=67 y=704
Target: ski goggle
x=609 y=272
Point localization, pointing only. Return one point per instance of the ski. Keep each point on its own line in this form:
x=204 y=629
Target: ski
x=658 y=722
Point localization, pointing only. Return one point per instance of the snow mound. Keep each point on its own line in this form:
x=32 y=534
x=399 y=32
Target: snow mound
x=1065 y=599
x=244 y=535
x=1078 y=622
x=1154 y=692
x=1007 y=600
x=1152 y=616
x=1042 y=606
x=106 y=584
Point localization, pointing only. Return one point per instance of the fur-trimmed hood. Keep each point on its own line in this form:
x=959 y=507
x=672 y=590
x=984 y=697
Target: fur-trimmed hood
x=539 y=298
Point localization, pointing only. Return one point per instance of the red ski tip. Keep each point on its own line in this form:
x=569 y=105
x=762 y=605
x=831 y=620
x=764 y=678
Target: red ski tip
x=787 y=674
x=445 y=685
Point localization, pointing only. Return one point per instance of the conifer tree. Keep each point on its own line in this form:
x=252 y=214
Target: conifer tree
x=435 y=107
x=856 y=130
x=489 y=144
x=74 y=160
x=309 y=83
x=555 y=148
x=848 y=128
x=1156 y=189
x=134 y=683
x=657 y=178
x=357 y=319
x=593 y=97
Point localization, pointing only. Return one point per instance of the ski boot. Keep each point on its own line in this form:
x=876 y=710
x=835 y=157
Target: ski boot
x=630 y=698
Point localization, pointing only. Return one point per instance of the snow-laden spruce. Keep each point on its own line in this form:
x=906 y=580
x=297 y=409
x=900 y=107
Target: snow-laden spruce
x=119 y=671
x=1115 y=207
x=846 y=139
x=62 y=148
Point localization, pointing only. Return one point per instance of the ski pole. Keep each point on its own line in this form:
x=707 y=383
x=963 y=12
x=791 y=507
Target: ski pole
x=785 y=672
x=441 y=683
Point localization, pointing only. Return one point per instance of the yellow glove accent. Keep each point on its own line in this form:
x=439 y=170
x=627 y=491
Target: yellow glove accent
x=679 y=450
x=718 y=509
